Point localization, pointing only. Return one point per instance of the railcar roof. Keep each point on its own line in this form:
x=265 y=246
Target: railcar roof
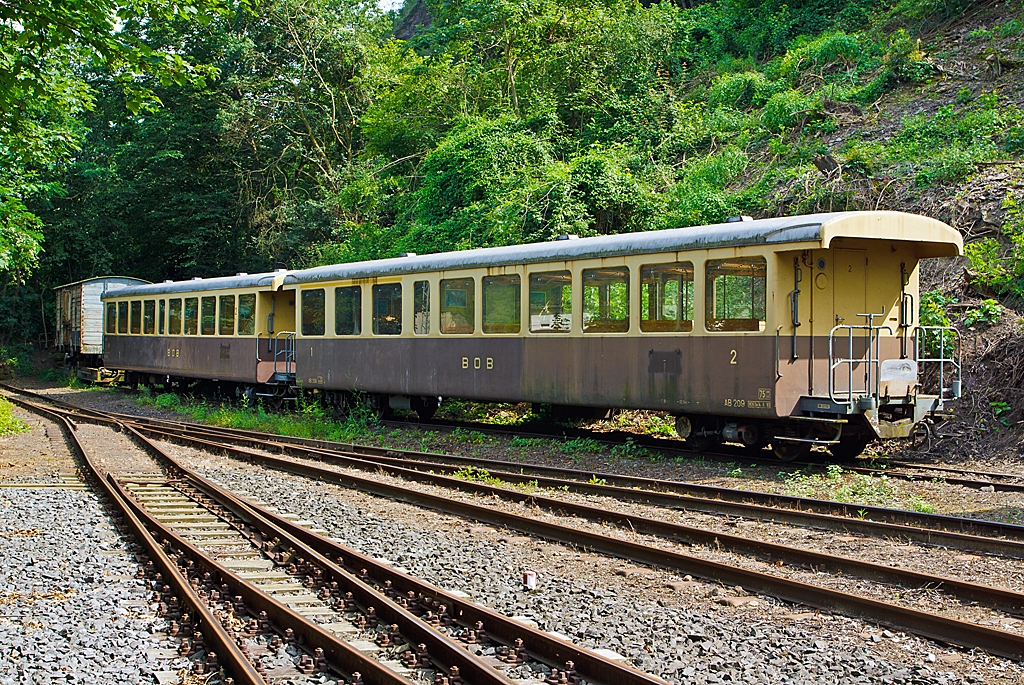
x=112 y=279
x=812 y=230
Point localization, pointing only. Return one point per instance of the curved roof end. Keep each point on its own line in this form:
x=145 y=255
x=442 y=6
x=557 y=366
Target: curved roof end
x=934 y=238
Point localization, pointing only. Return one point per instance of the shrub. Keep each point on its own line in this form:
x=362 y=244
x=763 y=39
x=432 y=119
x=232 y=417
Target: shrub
x=999 y=265
x=822 y=54
x=787 y=109
x=743 y=90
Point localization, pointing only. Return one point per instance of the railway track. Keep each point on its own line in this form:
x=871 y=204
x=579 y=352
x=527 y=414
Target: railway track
x=247 y=572
x=922 y=623
x=901 y=470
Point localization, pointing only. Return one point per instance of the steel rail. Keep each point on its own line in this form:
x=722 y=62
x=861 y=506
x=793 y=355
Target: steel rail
x=922 y=623
x=720 y=496
x=997 y=598
x=961 y=541
x=593 y=667
x=235 y=661
x=338 y=652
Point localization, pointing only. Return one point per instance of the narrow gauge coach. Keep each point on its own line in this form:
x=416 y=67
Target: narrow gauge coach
x=791 y=331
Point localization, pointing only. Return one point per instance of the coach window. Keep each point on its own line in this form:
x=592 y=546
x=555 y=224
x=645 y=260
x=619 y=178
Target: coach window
x=161 y=313
x=735 y=294
x=457 y=305
x=421 y=307
x=502 y=310
x=111 y=318
x=226 y=320
x=314 y=311
x=605 y=300
x=174 y=317
x=387 y=309
x=149 y=317
x=247 y=314
x=136 y=325
x=191 y=315
x=551 y=302
x=666 y=297
x=122 y=317
x=348 y=310
x=208 y=322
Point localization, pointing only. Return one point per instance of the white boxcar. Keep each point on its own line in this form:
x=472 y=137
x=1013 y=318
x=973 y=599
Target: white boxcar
x=80 y=315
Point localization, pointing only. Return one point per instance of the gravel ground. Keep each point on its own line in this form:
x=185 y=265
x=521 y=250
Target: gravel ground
x=680 y=629
x=70 y=608
x=37 y=455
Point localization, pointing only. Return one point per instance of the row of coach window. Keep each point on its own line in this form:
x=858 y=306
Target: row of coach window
x=184 y=316
x=734 y=301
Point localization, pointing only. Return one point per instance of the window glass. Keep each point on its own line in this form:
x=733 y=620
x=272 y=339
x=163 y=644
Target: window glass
x=421 y=307
x=502 y=304
x=247 y=314
x=457 y=305
x=666 y=297
x=226 y=320
x=191 y=315
x=735 y=297
x=606 y=300
x=387 y=309
x=208 y=324
x=314 y=311
x=348 y=310
x=136 y=326
x=174 y=317
x=122 y=317
x=149 y=317
x=111 y=317
x=160 y=317
x=550 y=302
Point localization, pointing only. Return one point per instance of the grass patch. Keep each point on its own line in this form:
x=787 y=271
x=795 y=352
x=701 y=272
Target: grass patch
x=9 y=423
x=853 y=488
x=475 y=475
x=309 y=420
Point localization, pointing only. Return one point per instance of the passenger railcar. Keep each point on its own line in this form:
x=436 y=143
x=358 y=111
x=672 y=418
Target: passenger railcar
x=791 y=331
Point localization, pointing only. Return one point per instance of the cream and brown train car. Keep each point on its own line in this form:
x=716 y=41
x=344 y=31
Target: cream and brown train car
x=792 y=331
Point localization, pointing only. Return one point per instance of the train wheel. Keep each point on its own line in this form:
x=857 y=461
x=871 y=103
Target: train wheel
x=848 y=449
x=790 y=451
x=249 y=397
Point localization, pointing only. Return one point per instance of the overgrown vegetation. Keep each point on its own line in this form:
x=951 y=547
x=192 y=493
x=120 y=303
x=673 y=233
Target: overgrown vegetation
x=9 y=423
x=844 y=486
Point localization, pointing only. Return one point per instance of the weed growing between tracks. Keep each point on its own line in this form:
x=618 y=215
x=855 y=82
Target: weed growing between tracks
x=854 y=488
x=9 y=423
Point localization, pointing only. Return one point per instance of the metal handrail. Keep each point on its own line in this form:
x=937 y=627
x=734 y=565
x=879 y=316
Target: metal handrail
x=921 y=332
x=287 y=350
x=872 y=361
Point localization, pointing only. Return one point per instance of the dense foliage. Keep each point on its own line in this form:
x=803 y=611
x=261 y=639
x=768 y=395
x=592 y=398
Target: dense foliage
x=325 y=138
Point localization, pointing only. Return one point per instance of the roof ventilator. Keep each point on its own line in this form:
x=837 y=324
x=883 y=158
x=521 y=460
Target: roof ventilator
x=735 y=219
x=568 y=236
x=407 y=254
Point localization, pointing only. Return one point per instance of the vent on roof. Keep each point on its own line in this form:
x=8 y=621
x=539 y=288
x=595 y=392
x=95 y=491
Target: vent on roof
x=279 y=271
x=568 y=236
x=169 y=281
x=197 y=278
x=242 y=273
x=407 y=254
x=734 y=219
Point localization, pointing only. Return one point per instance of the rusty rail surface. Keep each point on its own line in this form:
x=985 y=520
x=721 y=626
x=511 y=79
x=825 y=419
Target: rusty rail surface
x=540 y=645
x=235 y=661
x=922 y=623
